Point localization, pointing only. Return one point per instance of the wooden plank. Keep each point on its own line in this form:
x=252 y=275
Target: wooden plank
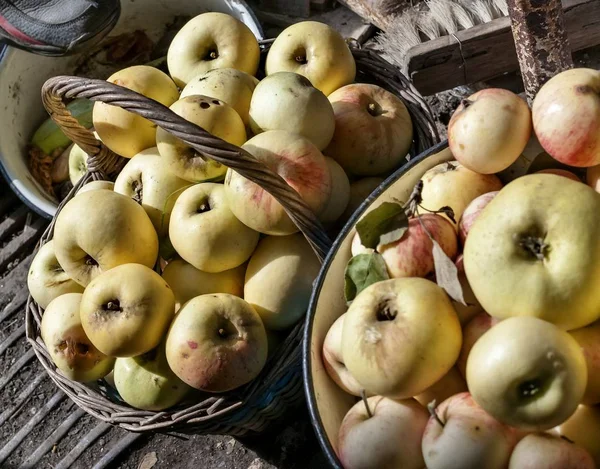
x=487 y=51
x=13 y=222
x=300 y=8
x=379 y=12
x=19 y=244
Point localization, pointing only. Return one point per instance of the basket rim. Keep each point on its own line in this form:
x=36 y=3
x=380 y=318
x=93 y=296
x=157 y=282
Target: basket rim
x=307 y=359
x=289 y=354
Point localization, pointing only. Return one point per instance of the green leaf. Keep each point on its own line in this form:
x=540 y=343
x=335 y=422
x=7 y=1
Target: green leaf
x=386 y=224
x=446 y=274
x=363 y=270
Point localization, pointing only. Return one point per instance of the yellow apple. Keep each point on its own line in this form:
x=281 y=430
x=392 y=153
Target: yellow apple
x=288 y=101
x=146 y=382
x=583 y=428
x=229 y=85
x=216 y=343
x=415 y=309
x=535 y=251
x=373 y=130
x=126 y=133
x=215 y=117
x=46 y=279
x=147 y=179
x=125 y=311
x=489 y=130
x=298 y=162
x=315 y=50
x=359 y=191
x=99 y=230
x=279 y=279
x=70 y=349
x=95 y=185
x=187 y=282
x=527 y=373
x=205 y=232
x=441 y=187
x=208 y=41
x=77 y=164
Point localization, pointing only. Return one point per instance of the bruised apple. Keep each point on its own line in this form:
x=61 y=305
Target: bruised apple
x=333 y=359
x=440 y=185
x=126 y=310
x=216 y=343
x=415 y=309
x=373 y=130
x=68 y=345
x=387 y=435
x=535 y=251
x=298 y=162
x=99 y=230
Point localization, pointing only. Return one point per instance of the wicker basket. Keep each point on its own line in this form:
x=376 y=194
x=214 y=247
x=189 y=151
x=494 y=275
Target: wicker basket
x=248 y=409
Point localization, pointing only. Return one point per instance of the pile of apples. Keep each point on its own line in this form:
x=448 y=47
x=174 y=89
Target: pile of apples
x=183 y=275
x=472 y=334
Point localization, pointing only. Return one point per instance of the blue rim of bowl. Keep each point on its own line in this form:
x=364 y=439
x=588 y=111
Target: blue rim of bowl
x=4 y=172
x=315 y=418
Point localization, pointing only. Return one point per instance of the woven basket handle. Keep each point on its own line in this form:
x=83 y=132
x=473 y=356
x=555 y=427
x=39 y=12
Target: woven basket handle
x=101 y=159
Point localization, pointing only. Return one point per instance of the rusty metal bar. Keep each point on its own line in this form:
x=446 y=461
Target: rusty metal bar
x=541 y=41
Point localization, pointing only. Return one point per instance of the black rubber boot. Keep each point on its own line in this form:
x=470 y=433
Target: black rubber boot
x=56 y=27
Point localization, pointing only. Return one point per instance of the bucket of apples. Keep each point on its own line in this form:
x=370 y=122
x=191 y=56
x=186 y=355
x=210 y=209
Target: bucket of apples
x=456 y=320
x=169 y=289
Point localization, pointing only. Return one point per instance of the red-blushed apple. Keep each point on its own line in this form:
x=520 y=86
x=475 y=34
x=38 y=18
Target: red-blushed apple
x=216 y=343
x=527 y=373
x=450 y=384
x=412 y=255
x=373 y=130
x=340 y=193
x=421 y=314
x=387 y=435
x=472 y=212
x=472 y=307
x=472 y=331
x=334 y=361
x=588 y=339
x=583 y=429
x=489 y=130
x=566 y=117
x=441 y=187
x=464 y=436
x=541 y=450
x=295 y=159
x=592 y=177
x=560 y=172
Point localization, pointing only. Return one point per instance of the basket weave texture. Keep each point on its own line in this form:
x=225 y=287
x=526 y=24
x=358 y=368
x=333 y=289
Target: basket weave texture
x=250 y=408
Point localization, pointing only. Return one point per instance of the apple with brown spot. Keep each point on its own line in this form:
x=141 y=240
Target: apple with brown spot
x=566 y=117
x=472 y=212
x=412 y=255
x=462 y=435
x=216 y=343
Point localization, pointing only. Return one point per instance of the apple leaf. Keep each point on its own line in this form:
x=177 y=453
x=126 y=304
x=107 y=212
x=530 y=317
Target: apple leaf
x=363 y=270
x=386 y=224
x=446 y=274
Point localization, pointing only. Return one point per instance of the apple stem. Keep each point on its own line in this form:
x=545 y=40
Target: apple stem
x=431 y=408
x=534 y=246
x=414 y=200
x=466 y=102
x=363 y=395
x=567 y=439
